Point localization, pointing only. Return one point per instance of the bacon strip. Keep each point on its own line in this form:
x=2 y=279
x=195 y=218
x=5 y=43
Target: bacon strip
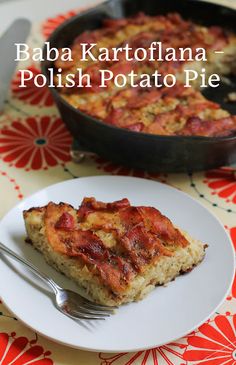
x=113 y=269
x=142 y=247
x=90 y=205
x=197 y=127
x=141 y=234
x=162 y=226
x=66 y=221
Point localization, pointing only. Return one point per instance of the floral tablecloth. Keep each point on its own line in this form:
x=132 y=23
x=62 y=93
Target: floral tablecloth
x=34 y=153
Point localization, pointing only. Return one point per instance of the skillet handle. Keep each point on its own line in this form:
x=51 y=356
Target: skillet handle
x=78 y=153
x=112 y=8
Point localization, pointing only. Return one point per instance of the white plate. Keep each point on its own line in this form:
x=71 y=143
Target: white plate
x=165 y=315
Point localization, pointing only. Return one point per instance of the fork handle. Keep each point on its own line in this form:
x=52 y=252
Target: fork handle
x=34 y=269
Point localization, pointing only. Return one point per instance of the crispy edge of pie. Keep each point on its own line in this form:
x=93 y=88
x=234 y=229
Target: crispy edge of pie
x=87 y=275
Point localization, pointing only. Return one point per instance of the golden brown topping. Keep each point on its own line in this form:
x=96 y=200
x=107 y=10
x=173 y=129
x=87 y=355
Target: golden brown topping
x=156 y=110
x=140 y=236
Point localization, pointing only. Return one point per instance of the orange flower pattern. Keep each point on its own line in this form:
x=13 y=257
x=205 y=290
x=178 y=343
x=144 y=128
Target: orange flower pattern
x=35 y=143
x=214 y=343
x=223 y=183
x=31 y=94
x=49 y=25
x=171 y=354
x=21 y=351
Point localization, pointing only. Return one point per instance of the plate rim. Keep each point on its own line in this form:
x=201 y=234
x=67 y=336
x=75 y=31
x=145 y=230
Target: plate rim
x=114 y=177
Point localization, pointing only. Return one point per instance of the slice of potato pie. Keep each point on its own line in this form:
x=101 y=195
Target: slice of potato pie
x=116 y=251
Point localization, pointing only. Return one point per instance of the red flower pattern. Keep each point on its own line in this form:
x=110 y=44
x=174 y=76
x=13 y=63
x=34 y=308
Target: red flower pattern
x=234 y=287
x=223 y=183
x=31 y=94
x=165 y=355
x=232 y=232
x=35 y=143
x=21 y=351
x=214 y=343
x=126 y=171
x=233 y=236
x=50 y=24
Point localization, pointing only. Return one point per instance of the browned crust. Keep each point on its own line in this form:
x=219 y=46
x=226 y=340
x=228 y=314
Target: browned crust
x=141 y=235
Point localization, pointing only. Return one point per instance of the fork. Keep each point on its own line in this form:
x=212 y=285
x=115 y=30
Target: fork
x=67 y=301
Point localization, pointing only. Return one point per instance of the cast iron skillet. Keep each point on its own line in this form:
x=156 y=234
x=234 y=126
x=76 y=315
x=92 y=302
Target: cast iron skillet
x=141 y=150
